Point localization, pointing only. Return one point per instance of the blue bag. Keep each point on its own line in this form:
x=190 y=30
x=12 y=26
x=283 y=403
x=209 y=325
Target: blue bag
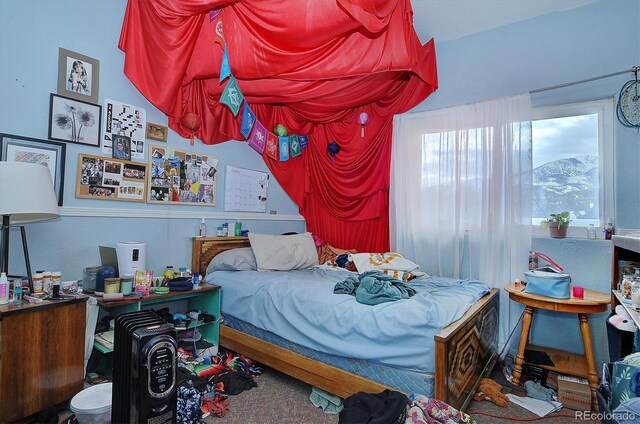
x=548 y=281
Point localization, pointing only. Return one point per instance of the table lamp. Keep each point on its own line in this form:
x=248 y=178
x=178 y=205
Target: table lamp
x=26 y=195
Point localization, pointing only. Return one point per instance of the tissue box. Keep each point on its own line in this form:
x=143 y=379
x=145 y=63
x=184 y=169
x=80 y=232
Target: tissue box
x=574 y=393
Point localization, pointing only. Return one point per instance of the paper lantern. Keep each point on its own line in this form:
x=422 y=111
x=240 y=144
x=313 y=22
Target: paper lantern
x=280 y=130
x=191 y=121
x=363 y=119
x=333 y=148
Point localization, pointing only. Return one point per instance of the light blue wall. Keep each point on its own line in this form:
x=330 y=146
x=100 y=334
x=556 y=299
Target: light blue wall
x=31 y=31
x=597 y=39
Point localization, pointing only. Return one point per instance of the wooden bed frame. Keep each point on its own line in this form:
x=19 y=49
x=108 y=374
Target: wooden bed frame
x=465 y=349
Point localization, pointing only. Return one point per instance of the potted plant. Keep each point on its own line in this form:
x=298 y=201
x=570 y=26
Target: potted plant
x=558 y=223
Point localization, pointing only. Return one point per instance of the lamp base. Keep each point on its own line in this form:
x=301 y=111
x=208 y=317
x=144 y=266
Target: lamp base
x=4 y=251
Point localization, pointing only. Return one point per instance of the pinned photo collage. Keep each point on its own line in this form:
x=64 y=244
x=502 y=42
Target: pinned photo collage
x=112 y=179
x=182 y=178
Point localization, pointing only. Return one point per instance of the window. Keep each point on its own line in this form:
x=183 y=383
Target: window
x=572 y=161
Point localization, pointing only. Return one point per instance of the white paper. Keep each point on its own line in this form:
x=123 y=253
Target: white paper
x=538 y=407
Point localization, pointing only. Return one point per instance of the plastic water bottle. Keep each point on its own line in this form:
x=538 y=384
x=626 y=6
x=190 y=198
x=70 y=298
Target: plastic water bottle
x=4 y=289
x=203 y=228
x=195 y=280
x=17 y=292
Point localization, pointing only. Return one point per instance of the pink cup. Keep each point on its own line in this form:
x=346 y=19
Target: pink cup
x=578 y=292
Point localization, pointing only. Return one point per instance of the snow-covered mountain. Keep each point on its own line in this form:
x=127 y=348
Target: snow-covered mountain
x=567 y=184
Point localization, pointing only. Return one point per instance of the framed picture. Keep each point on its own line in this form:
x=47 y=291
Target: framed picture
x=74 y=121
x=156 y=132
x=121 y=147
x=78 y=76
x=15 y=148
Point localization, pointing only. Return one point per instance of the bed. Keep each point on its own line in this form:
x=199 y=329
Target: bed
x=463 y=350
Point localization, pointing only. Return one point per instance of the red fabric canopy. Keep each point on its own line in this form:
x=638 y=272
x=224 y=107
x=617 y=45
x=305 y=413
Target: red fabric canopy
x=311 y=65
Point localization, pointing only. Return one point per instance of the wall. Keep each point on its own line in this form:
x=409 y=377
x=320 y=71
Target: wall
x=597 y=39
x=31 y=31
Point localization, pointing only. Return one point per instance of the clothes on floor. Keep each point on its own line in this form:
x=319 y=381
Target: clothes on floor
x=330 y=404
x=204 y=388
x=387 y=407
x=424 y=410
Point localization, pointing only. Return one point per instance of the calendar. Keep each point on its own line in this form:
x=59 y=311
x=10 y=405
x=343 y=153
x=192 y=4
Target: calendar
x=245 y=190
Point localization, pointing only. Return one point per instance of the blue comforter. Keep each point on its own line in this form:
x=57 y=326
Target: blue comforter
x=301 y=307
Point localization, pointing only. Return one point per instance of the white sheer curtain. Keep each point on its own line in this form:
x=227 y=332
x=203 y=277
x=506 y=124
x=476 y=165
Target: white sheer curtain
x=460 y=195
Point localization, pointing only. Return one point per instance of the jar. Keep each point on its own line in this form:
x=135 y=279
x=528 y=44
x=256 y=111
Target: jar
x=219 y=231
x=56 y=277
x=112 y=285
x=625 y=286
x=37 y=283
x=591 y=232
x=126 y=285
x=89 y=279
x=46 y=282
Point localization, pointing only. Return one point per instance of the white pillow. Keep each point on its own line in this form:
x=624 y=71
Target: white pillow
x=284 y=253
x=238 y=259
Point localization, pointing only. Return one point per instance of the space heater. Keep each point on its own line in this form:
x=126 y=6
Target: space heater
x=145 y=369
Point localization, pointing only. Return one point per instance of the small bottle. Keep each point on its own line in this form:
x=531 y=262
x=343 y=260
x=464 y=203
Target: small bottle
x=168 y=273
x=533 y=261
x=518 y=283
x=608 y=229
x=17 y=291
x=219 y=231
x=591 y=232
x=183 y=271
x=37 y=282
x=4 y=289
x=238 y=228
x=203 y=228
x=225 y=229
x=195 y=280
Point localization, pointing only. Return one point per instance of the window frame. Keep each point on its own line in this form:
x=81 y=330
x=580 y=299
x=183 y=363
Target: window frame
x=606 y=148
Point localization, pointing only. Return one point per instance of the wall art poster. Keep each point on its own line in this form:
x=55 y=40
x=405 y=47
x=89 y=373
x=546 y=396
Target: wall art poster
x=126 y=120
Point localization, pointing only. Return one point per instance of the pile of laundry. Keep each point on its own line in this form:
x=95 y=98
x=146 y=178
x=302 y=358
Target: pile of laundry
x=205 y=383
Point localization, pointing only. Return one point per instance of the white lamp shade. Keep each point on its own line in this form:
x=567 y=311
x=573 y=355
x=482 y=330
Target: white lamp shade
x=26 y=193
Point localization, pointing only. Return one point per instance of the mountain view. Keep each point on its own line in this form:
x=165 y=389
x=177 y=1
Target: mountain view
x=567 y=184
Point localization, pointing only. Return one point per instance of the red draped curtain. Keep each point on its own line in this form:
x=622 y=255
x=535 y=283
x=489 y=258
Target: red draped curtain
x=312 y=66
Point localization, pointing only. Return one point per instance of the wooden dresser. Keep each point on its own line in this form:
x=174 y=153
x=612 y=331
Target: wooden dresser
x=41 y=355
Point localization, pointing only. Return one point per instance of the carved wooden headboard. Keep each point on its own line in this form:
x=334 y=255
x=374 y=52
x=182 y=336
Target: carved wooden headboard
x=205 y=248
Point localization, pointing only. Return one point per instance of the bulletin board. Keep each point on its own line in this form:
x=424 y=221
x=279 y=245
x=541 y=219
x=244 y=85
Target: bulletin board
x=245 y=190
x=104 y=178
x=181 y=177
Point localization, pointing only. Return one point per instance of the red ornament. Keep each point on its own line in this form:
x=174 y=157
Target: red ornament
x=191 y=121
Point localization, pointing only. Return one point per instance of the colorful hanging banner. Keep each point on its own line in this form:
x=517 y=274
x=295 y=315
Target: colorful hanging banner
x=225 y=69
x=248 y=119
x=304 y=140
x=232 y=96
x=272 y=146
x=283 y=144
x=294 y=145
x=216 y=17
x=258 y=138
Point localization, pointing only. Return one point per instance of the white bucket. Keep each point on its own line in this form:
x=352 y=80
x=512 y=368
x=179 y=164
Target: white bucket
x=93 y=405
